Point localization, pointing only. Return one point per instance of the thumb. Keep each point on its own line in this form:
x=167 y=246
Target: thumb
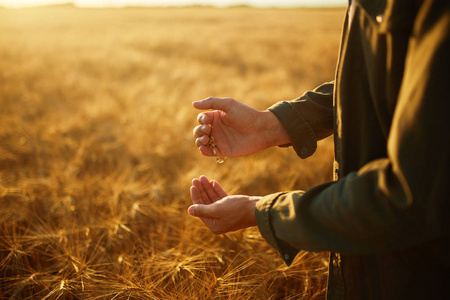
x=214 y=103
x=200 y=210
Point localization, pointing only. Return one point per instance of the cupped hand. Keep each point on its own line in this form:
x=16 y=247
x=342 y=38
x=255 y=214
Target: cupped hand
x=221 y=213
x=237 y=129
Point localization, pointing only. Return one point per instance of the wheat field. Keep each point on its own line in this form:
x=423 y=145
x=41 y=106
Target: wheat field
x=97 y=154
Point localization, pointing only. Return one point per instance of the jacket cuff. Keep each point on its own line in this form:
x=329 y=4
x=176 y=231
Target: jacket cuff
x=262 y=214
x=303 y=139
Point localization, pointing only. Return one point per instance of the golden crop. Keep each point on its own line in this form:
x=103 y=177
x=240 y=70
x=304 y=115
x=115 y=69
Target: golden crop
x=97 y=154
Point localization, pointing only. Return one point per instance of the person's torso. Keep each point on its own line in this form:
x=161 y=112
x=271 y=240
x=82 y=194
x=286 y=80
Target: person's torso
x=368 y=79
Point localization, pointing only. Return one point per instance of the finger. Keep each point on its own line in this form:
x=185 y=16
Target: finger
x=206 y=151
x=205 y=117
x=208 y=189
x=201 y=130
x=218 y=189
x=202 y=141
x=201 y=210
x=195 y=195
x=203 y=195
x=214 y=103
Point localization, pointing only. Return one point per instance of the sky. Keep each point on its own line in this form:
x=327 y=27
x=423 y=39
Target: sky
x=220 y=3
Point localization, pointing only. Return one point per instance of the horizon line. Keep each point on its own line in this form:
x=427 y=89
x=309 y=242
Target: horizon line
x=73 y=5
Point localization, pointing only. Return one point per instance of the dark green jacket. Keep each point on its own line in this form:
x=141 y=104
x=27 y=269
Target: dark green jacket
x=388 y=213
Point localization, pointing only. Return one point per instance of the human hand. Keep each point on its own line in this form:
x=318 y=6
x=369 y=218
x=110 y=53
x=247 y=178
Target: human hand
x=237 y=128
x=221 y=213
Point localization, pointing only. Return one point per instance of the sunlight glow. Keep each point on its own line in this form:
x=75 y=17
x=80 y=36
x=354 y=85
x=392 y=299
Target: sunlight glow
x=219 y=3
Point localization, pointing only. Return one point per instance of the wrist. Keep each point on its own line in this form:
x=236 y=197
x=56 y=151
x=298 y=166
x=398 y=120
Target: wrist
x=252 y=207
x=275 y=133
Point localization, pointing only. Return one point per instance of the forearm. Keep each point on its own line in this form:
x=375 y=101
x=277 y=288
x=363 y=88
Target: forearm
x=367 y=212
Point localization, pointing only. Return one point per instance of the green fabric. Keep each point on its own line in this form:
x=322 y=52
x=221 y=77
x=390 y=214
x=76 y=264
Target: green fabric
x=388 y=215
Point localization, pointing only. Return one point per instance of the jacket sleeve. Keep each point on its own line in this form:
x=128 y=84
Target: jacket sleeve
x=307 y=119
x=391 y=203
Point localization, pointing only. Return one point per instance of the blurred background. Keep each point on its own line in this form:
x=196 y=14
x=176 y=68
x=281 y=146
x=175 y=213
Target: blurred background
x=149 y=3
x=97 y=153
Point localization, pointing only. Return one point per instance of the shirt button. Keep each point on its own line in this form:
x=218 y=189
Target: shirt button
x=286 y=256
x=336 y=260
x=304 y=151
x=380 y=18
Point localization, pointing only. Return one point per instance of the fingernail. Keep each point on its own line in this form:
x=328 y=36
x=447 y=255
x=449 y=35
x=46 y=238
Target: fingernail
x=191 y=211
